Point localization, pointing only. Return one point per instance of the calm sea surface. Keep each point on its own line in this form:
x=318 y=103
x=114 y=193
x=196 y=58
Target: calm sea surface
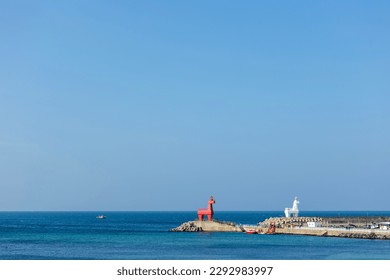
x=144 y=235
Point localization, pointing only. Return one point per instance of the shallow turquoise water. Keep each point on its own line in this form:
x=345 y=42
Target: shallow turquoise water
x=144 y=235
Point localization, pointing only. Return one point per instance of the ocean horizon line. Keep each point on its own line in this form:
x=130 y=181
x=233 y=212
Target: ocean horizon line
x=188 y=211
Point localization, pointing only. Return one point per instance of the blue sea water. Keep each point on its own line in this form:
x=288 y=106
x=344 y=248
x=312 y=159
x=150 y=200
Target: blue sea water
x=146 y=236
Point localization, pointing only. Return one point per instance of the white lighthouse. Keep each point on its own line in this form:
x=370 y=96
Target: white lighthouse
x=292 y=212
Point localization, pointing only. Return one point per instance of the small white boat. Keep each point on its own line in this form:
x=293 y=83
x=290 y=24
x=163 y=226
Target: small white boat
x=101 y=217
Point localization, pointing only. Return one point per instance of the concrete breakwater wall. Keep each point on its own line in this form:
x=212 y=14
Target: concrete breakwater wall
x=358 y=222
x=332 y=227
x=350 y=227
x=332 y=232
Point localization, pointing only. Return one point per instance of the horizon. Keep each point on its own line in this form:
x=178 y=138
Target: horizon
x=194 y=211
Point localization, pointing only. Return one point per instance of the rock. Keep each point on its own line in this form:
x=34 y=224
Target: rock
x=289 y=222
x=187 y=227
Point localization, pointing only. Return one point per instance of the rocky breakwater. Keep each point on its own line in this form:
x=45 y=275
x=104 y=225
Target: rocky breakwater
x=282 y=222
x=367 y=235
x=207 y=226
x=324 y=227
x=188 y=226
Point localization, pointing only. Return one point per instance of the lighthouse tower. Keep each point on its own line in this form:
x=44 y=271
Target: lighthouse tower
x=292 y=212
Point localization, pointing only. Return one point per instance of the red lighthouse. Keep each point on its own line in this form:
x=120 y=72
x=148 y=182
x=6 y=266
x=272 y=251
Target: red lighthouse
x=209 y=211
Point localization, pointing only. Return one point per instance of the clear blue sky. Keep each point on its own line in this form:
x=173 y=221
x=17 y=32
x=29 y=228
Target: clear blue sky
x=155 y=105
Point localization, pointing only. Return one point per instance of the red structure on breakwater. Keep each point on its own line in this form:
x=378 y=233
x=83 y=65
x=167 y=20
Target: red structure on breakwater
x=209 y=211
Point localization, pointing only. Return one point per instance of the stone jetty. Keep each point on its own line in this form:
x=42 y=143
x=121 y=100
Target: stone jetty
x=188 y=226
x=347 y=227
x=289 y=222
x=208 y=226
x=333 y=222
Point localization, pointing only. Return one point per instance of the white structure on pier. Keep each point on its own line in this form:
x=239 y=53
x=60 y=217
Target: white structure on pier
x=314 y=224
x=384 y=225
x=292 y=212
